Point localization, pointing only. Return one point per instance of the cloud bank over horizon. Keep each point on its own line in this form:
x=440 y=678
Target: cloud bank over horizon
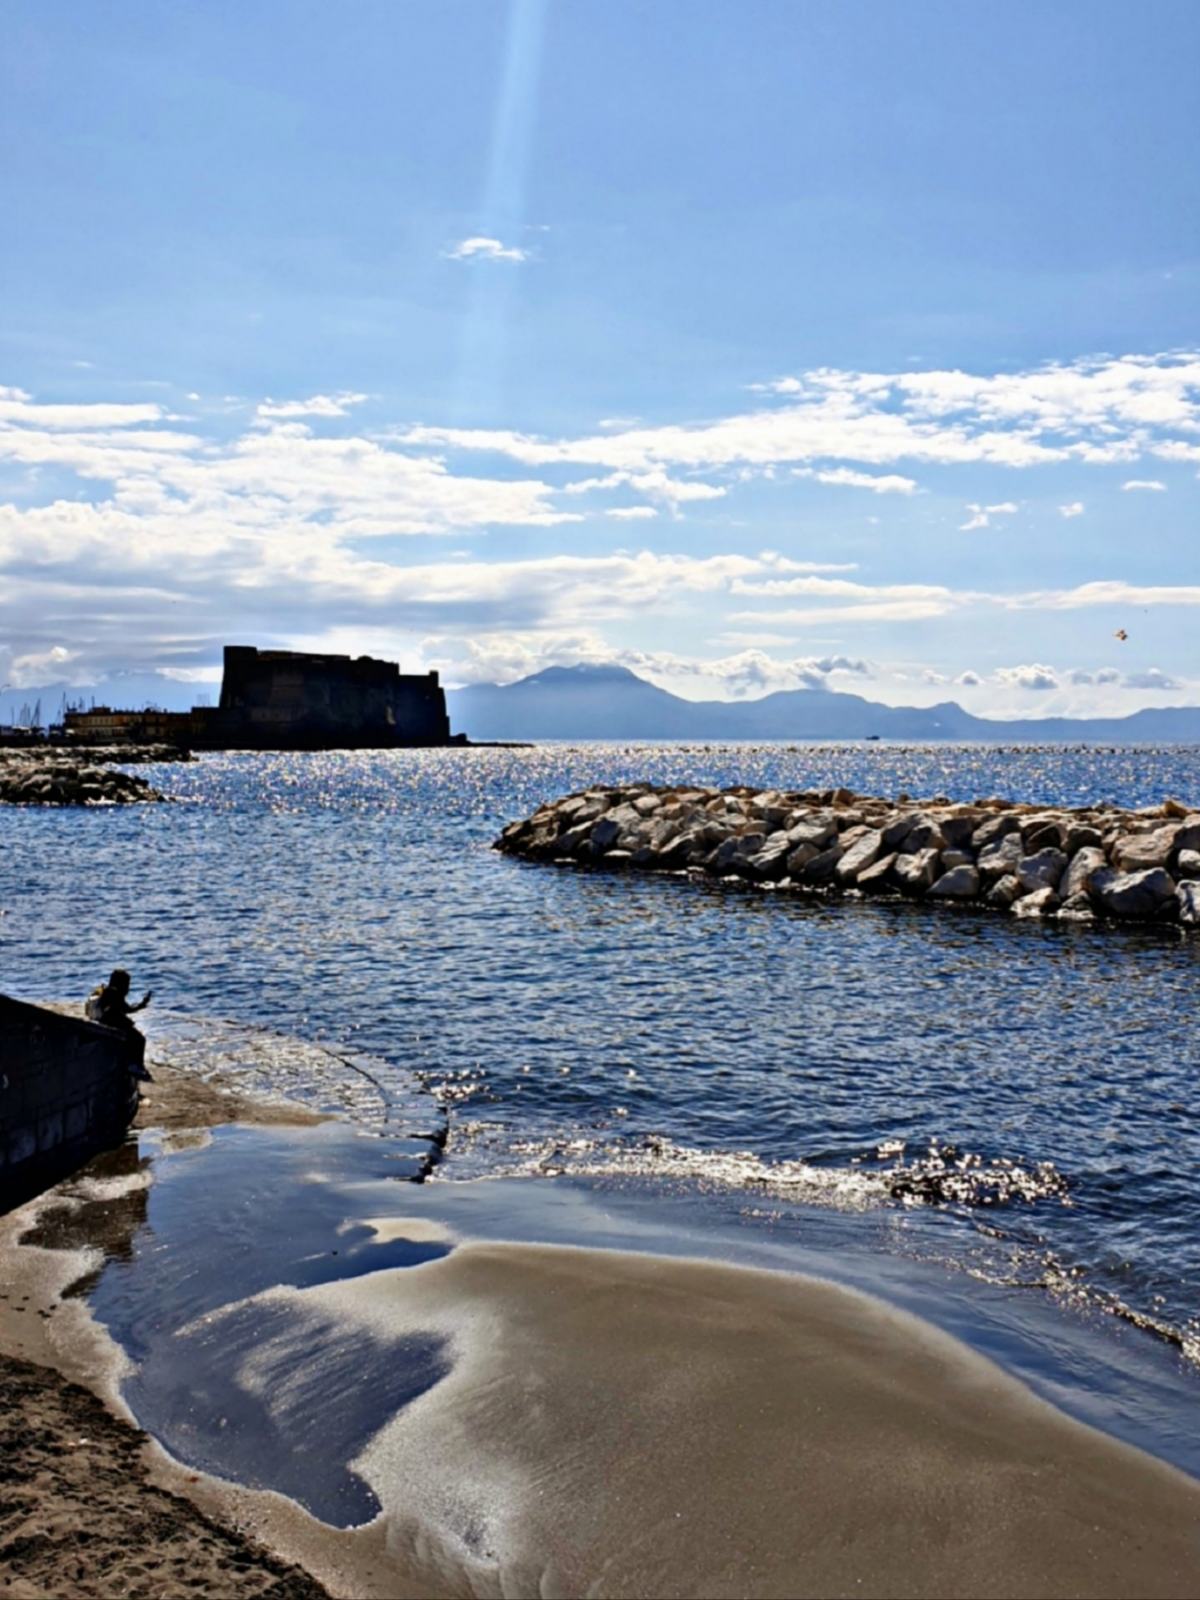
x=141 y=535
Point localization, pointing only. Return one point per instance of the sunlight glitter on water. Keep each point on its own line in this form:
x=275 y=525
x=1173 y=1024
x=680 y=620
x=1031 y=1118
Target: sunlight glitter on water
x=352 y=901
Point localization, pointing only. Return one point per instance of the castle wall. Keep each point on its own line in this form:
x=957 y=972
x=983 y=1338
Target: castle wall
x=288 y=700
x=286 y=695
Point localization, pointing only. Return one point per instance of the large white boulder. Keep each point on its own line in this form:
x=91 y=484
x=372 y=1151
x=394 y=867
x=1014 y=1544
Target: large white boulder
x=1042 y=870
x=859 y=856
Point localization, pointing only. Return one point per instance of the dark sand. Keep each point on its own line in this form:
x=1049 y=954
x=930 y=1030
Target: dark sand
x=179 y=1100
x=80 y=1511
x=613 y=1425
x=79 y=1515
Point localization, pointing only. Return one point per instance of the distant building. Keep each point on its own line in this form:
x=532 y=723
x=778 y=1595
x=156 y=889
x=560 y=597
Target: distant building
x=288 y=700
x=103 y=725
x=276 y=697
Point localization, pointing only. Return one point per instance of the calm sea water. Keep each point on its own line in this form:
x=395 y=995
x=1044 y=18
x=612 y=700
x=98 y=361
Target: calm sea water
x=791 y=1054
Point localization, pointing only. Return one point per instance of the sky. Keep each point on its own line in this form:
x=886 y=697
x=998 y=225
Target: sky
x=754 y=345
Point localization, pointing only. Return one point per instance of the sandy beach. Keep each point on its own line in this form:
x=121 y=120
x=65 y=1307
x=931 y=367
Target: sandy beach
x=625 y=1425
x=611 y=1424
x=88 y=1506
x=81 y=1516
x=600 y=800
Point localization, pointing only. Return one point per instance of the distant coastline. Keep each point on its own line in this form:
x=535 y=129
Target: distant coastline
x=585 y=703
x=610 y=702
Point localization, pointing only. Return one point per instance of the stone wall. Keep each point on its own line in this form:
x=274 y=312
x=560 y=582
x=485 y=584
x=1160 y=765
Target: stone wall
x=1075 y=865
x=65 y=1093
x=289 y=698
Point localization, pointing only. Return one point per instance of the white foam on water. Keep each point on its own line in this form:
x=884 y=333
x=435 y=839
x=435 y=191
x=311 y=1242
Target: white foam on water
x=105 y=1189
x=418 y=1230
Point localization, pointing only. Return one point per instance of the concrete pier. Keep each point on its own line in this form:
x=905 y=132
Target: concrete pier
x=66 y=1093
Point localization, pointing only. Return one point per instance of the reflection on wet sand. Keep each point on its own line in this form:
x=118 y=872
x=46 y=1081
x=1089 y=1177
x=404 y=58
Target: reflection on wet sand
x=627 y=1425
x=101 y=1208
x=520 y=1419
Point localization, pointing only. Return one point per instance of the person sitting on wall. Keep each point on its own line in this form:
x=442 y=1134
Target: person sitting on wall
x=109 y=1005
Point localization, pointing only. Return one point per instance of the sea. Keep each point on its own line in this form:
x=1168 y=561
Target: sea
x=992 y=1122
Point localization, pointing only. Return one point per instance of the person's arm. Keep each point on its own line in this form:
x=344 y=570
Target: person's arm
x=142 y=1003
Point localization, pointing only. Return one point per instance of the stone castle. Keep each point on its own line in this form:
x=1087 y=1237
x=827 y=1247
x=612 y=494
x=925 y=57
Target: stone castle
x=290 y=700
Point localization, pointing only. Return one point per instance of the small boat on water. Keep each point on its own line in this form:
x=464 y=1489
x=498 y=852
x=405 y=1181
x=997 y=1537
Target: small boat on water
x=68 y=1089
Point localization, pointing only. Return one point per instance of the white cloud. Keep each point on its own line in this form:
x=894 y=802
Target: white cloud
x=503 y=657
x=265 y=536
x=858 y=602
x=747 y=674
x=968 y=680
x=1092 y=411
x=981 y=516
x=38 y=667
x=479 y=248
x=1105 y=593
x=1152 y=484
x=1036 y=678
x=18 y=407
x=276 y=478
x=672 y=492
x=878 y=483
x=1150 y=678
x=1098 y=675
x=317 y=405
x=1074 y=509
x=840 y=588
x=288 y=528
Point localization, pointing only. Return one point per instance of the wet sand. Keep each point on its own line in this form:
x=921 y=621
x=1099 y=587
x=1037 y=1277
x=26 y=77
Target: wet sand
x=613 y=1424
x=88 y=1507
x=629 y=1425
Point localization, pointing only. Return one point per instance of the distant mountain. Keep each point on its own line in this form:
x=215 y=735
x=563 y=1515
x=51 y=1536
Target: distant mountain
x=610 y=702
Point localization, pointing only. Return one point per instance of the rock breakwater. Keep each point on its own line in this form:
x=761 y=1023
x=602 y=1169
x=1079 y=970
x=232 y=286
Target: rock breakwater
x=71 y=778
x=1076 y=865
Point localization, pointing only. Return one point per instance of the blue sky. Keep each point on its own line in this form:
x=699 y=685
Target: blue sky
x=754 y=345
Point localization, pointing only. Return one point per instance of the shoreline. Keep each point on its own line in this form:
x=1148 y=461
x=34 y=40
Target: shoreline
x=588 y=1388
x=91 y=1505
x=626 y=1424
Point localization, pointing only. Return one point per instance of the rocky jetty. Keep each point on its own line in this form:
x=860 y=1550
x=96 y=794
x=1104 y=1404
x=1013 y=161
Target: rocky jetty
x=49 y=777
x=130 y=755
x=1028 y=861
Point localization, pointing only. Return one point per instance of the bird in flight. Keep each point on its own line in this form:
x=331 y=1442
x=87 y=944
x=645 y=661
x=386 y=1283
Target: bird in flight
x=1121 y=634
